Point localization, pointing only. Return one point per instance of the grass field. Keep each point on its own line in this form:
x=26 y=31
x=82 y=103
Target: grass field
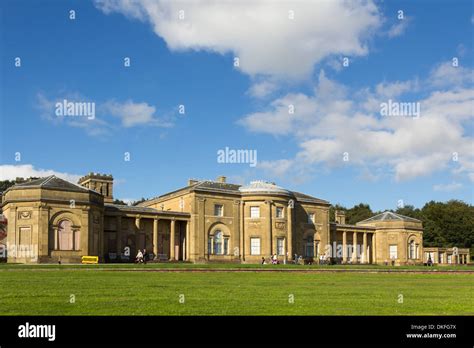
x=138 y=290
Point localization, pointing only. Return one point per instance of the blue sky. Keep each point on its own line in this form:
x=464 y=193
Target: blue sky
x=283 y=61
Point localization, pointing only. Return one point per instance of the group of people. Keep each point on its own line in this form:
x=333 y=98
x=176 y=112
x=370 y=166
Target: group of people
x=142 y=256
x=273 y=260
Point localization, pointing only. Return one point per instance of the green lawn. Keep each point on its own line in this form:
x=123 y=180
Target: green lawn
x=47 y=290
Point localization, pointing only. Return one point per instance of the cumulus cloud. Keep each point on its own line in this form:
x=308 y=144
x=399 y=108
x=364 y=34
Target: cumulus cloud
x=454 y=186
x=280 y=39
x=133 y=114
x=336 y=126
x=103 y=122
x=399 y=28
x=262 y=89
x=447 y=75
x=11 y=172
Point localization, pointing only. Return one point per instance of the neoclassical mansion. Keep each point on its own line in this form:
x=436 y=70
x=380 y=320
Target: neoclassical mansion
x=204 y=221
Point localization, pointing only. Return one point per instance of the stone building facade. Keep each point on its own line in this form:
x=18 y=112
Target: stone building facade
x=52 y=220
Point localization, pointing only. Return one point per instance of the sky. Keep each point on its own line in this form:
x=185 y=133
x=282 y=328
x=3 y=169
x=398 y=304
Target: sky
x=360 y=101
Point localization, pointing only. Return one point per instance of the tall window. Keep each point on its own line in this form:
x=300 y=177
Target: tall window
x=311 y=218
x=411 y=250
x=67 y=238
x=254 y=212
x=309 y=247
x=218 y=244
x=281 y=246
x=254 y=246
x=393 y=251
x=279 y=212
x=218 y=210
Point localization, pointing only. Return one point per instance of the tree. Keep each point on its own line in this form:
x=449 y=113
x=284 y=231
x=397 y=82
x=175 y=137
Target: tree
x=358 y=213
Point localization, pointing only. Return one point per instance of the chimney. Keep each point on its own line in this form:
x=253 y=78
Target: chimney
x=340 y=217
x=192 y=182
x=221 y=179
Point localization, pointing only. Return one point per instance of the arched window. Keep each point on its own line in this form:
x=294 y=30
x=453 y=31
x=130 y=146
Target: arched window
x=68 y=239
x=309 y=246
x=411 y=250
x=218 y=244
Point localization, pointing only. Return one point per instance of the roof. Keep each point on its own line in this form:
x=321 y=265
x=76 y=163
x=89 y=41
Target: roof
x=51 y=182
x=389 y=216
x=254 y=186
x=143 y=210
x=260 y=186
x=303 y=197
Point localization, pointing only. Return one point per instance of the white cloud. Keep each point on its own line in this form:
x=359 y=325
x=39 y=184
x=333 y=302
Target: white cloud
x=262 y=89
x=335 y=120
x=11 y=172
x=261 y=34
x=129 y=113
x=454 y=186
x=399 y=28
x=445 y=74
x=133 y=114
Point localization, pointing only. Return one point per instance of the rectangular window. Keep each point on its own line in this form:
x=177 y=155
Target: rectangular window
x=393 y=251
x=254 y=212
x=311 y=219
x=281 y=246
x=218 y=210
x=226 y=246
x=254 y=246
x=279 y=212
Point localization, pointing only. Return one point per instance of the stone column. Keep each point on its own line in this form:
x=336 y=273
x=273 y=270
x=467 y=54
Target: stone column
x=172 y=233
x=56 y=240
x=354 y=247
x=119 y=235
x=270 y=241
x=188 y=242
x=137 y=222
x=242 y=231
x=373 y=241
x=364 y=242
x=155 y=237
x=289 y=240
x=344 y=247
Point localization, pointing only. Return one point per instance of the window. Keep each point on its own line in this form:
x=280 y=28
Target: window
x=411 y=250
x=309 y=247
x=281 y=246
x=226 y=246
x=218 y=210
x=279 y=212
x=254 y=246
x=311 y=219
x=393 y=251
x=254 y=212
x=218 y=244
